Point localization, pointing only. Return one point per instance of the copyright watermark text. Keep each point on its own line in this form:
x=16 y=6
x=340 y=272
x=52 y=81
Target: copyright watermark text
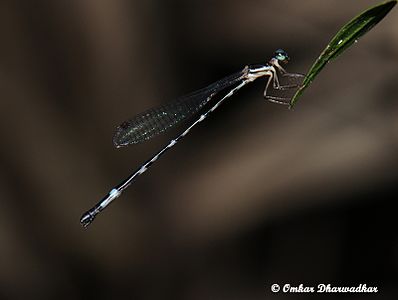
x=322 y=288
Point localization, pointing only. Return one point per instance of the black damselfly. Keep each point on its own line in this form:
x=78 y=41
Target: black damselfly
x=157 y=120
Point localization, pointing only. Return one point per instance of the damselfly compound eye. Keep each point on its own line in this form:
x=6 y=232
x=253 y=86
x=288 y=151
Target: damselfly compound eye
x=281 y=55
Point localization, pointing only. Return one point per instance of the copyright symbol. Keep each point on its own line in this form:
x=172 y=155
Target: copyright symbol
x=275 y=288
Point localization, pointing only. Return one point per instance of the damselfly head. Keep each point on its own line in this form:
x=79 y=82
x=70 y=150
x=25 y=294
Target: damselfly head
x=281 y=56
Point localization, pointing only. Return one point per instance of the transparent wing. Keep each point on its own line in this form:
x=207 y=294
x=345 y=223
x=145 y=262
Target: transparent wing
x=156 y=120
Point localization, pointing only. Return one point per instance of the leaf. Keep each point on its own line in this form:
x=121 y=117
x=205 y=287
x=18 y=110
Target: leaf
x=347 y=35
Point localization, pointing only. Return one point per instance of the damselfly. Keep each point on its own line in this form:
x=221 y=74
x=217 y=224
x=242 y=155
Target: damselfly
x=156 y=120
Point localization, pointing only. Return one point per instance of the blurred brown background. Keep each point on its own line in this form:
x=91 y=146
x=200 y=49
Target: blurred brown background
x=255 y=195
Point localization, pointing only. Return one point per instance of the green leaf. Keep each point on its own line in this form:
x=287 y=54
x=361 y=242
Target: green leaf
x=347 y=35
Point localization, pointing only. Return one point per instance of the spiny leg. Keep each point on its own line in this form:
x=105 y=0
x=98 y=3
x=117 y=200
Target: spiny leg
x=293 y=74
x=267 y=85
x=287 y=87
x=278 y=100
x=278 y=86
x=274 y=77
x=291 y=86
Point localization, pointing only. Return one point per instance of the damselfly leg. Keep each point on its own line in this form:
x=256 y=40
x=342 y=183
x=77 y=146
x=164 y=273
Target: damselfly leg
x=296 y=79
